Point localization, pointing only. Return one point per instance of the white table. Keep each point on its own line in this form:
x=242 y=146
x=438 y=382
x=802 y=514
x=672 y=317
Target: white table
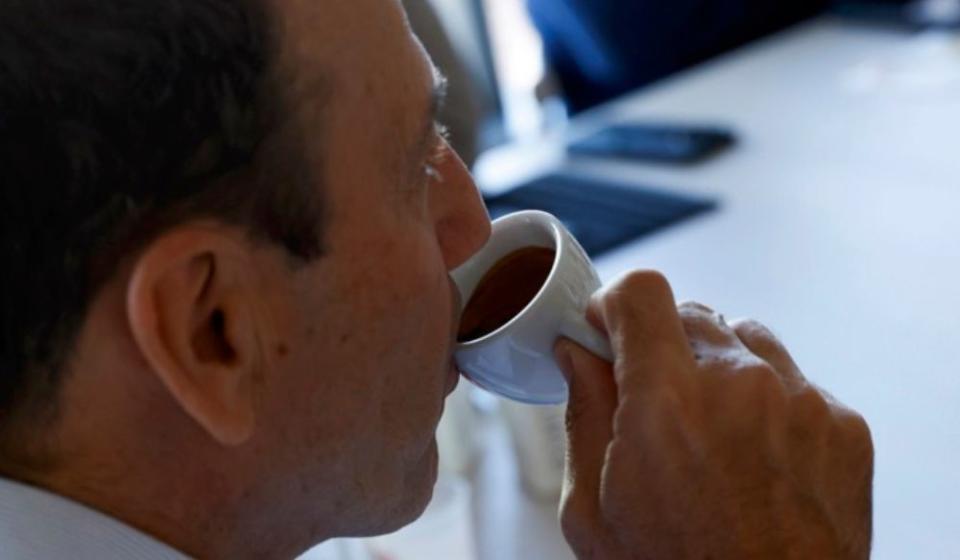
x=839 y=226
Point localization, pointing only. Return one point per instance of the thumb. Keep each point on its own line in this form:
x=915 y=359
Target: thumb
x=590 y=410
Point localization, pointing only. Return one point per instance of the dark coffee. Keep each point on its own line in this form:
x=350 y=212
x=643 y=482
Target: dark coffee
x=504 y=291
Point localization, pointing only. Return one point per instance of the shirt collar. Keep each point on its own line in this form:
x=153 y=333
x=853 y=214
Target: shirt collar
x=35 y=524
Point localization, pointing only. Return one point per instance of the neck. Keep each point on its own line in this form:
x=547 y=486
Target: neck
x=203 y=513
x=190 y=521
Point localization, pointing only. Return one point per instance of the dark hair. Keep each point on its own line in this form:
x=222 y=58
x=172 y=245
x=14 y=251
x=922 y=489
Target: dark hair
x=119 y=118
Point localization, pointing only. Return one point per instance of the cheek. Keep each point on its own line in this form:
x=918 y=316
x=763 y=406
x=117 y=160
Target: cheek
x=394 y=325
x=417 y=327
x=419 y=313
x=359 y=388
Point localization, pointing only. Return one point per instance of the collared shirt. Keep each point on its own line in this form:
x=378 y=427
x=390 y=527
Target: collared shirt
x=35 y=524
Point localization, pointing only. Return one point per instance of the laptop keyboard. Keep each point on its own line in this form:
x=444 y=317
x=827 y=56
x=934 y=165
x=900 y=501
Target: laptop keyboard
x=601 y=214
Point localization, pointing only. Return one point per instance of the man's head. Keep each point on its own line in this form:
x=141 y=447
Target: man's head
x=227 y=229
x=117 y=120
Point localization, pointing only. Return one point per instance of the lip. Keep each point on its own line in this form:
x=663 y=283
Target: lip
x=455 y=307
x=453 y=377
x=453 y=372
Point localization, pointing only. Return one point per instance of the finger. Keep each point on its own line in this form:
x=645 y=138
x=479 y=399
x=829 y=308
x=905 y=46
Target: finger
x=593 y=314
x=762 y=342
x=709 y=334
x=732 y=382
x=589 y=420
x=651 y=348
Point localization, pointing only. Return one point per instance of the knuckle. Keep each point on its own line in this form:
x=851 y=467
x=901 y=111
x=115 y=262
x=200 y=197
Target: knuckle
x=754 y=330
x=690 y=307
x=810 y=419
x=647 y=282
x=758 y=373
x=856 y=430
x=574 y=524
x=645 y=279
x=761 y=381
x=639 y=302
x=622 y=460
x=704 y=327
x=613 y=507
x=810 y=403
x=748 y=323
x=853 y=445
x=695 y=317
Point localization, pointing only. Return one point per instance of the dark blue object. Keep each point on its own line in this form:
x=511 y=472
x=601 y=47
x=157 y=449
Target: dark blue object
x=599 y=213
x=601 y=49
x=678 y=144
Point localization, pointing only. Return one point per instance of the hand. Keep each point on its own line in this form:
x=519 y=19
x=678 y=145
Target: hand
x=704 y=440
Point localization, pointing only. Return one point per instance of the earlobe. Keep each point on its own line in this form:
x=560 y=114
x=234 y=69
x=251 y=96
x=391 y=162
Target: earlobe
x=189 y=306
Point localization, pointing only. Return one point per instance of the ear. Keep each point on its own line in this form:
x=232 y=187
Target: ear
x=191 y=307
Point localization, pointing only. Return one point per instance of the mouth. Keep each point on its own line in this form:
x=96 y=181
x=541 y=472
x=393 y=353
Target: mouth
x=455 y=307
x=453 y=373
x=453 y=377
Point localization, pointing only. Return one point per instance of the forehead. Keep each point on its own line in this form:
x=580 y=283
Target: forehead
x=363 y=49
x=361 y=53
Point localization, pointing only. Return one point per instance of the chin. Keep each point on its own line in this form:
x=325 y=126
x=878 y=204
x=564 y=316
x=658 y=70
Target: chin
x=415 y=495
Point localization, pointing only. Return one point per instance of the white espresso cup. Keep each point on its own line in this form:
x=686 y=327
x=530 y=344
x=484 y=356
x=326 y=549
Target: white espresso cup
x=516 y=359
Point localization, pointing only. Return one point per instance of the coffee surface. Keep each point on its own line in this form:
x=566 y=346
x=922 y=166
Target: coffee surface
x=504 y=291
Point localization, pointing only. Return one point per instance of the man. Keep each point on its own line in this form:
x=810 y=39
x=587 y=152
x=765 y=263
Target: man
x=227 y=316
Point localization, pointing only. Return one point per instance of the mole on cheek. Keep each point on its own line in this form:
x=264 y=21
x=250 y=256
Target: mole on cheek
x=282 y=350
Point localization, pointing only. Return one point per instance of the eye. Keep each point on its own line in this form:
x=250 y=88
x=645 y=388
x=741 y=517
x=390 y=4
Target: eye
x=438 y=153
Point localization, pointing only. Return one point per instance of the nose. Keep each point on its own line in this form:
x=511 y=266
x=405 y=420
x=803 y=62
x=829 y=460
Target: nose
x=460 y=217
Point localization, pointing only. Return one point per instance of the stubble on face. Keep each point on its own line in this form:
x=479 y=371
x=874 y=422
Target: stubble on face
x=370 y=325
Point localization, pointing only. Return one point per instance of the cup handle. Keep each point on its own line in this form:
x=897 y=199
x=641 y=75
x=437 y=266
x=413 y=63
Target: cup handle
x=576 y=328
